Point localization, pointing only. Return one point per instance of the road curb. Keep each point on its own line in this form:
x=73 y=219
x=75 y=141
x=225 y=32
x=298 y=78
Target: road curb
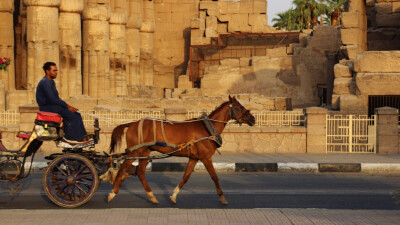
x=263 y=167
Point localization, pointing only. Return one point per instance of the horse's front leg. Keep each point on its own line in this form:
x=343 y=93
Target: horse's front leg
x=210 y=168
x=141 y=173
x=189 y=169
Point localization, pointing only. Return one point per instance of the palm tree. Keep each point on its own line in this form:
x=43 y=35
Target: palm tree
x=306 y=13
x=336 y=7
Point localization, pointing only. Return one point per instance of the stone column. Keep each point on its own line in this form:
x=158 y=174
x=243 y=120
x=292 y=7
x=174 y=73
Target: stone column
x=387 y=134
x=21 y=49
x=175 y=113
x=146 y=43
x=7 y=42
x=133 y=42
x=118 y=21
x=96 y=45
x=316 y=129
x=42 y=38
x=70 y=73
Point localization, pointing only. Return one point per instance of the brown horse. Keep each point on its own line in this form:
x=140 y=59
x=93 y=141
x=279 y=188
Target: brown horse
x=177 y=133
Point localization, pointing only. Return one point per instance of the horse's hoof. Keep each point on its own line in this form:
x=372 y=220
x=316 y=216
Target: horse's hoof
x=155 y=201
x=152 y=198
x=223 y=200
x=172 y=199
x=110 y=196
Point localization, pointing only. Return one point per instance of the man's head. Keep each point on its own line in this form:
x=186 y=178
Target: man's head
x=50 y=70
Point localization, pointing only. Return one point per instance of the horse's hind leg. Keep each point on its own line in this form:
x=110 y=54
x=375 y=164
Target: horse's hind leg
x=189 y=169
x=141 y=173
x=122 y=174
x=210 y=168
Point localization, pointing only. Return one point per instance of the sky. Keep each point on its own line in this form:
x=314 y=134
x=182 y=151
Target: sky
x=277 y=6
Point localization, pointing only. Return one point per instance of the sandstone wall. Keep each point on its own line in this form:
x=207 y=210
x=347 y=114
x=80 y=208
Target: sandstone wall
x=294 y=72
x=383 y=24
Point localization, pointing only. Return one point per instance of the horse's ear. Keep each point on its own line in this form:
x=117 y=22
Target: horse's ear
x=230 y=99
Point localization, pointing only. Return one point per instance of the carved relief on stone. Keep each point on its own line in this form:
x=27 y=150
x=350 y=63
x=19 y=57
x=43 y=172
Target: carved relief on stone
x=118 y=21
x=133 y=42
x=70 y=39
x=96 y=45
x=146 y=43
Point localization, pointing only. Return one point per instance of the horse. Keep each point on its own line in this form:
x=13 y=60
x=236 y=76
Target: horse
x=176 y=133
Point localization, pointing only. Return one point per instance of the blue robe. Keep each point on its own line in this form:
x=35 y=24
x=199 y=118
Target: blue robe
x=49 y=101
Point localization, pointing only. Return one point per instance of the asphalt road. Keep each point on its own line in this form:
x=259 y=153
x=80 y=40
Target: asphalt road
x=242 y=190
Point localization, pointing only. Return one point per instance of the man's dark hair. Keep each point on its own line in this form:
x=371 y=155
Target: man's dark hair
x=47 y=66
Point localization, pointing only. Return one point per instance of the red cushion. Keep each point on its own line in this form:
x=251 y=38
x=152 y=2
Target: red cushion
x=48 y=116
x=24 y=136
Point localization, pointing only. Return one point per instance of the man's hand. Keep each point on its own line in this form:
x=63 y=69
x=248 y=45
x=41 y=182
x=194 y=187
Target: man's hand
x=71 y=108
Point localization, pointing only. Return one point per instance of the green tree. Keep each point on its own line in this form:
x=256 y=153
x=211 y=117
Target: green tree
x=306 y=13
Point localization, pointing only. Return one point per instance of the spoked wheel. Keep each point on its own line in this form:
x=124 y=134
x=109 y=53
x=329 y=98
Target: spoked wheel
x=70 y=180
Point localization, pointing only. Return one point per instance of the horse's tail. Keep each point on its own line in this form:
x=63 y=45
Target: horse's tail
x=117 y=135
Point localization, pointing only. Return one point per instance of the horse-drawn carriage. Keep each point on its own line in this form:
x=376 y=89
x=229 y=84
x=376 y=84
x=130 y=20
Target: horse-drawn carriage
x=72 y=176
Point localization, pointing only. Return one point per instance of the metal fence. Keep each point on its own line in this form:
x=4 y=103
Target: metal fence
x=350 y=133
x=9 y=118
x=114 y=118
x=267 y=118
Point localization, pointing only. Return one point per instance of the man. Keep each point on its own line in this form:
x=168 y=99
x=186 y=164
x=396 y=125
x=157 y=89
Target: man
x=49 y=101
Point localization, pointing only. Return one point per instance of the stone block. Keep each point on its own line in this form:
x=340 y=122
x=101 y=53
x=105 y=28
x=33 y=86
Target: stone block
x=378 y=61
x=369 y=3
x=233 y=7
x=230 y=62
x=383 y=8
x=184 y=82
x=388 y=20
x=245 y=62
x=342 y=71
x=222 y=28
x=350 y=36
x=197 y=23
x=223 y=7
x=260 y=7
x=344 y=86
x=350 y=19
x=246 y=7
x=350 y=50
x=258 y=22
x=335 y=102
x=378 y=83
x=208 y=5
x=353 y=104
x=396 y=7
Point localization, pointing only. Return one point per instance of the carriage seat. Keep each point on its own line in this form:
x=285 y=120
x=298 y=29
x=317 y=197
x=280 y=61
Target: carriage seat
x=48 y=117
x=23 y=135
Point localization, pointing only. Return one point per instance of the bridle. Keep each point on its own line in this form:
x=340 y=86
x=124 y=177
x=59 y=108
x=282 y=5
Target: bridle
x=238 y=118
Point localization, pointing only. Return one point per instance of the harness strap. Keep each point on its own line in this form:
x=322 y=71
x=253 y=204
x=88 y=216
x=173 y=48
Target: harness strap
x=140 y=131
x=212 y=130
x=163 y=132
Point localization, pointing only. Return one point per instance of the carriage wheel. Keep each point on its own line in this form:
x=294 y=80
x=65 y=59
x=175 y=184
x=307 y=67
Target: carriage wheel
x=70 y=180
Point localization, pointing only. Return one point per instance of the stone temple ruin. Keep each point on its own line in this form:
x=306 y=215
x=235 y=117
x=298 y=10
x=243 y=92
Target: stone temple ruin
x=138 y=54
x=121 y=55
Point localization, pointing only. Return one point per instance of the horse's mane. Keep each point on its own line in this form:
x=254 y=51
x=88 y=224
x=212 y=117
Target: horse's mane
x=218 y=108
x=213 y=112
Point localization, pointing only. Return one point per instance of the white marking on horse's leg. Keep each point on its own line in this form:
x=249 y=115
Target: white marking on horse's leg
x=223 y=200
x=173 y=196
x=111 y=195
x=151 y=197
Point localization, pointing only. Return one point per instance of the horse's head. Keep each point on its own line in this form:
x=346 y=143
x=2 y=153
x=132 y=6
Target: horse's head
x=240 y=113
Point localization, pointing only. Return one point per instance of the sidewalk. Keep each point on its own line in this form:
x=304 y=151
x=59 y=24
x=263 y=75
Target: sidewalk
x=198 y=216
x=262 y=162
